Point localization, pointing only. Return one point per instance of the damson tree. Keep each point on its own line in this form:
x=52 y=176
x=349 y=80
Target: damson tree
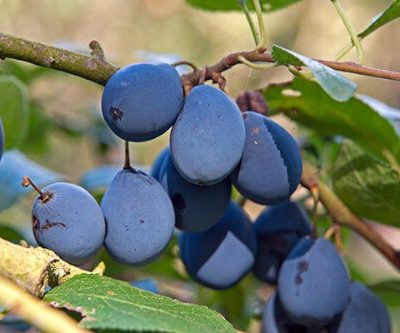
x=184 y=218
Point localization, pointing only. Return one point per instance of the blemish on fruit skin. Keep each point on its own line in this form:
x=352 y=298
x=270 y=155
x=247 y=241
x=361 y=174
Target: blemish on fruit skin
x=141 y=221
x=302 y=267
x=35 y=222
x=48 y=225
x=115 y=113
x=255 y=130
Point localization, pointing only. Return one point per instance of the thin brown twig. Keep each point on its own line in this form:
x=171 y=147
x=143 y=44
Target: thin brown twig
x=342 y=215
x=98 y=70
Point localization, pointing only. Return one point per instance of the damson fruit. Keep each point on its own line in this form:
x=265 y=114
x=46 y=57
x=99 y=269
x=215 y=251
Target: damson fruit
x=1 y=139
x=364 y=313
x=155 y=168
x=278 y=229
x=139 y=217
x=197 y=207
x=313 y=283
x=275 y=319
x=221 y=256
x=67 y=220
x=271 y=166
x=142 y=101
x=207 y=139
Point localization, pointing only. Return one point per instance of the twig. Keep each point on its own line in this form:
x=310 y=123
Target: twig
x=94 y=69
x=344 y=217
x=349 y=27
x=90 y=67
x=38 y=313
x=246 y=11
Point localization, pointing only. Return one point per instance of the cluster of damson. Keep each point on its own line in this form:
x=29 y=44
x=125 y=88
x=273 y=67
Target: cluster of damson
x=212 y=146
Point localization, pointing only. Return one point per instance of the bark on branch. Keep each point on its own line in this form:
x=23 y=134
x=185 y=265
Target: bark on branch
x=95 y=68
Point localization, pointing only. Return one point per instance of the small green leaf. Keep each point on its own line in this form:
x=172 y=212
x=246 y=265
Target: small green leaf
x=388 y=291
x=14 y=110
x=305 y=102
x=229 y=5
x=333 y=83
x=108 y=304
x=389 y=14
x=367 y=185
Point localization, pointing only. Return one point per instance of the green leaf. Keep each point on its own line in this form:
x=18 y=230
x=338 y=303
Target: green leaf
x=9 y=233
x=333 y=83
x=228 y=5
x=14 y=110
x=389 y=14
x=108 y=304
x=367 y=185
x=388 y=291
x=305 y=102
x=24 y=72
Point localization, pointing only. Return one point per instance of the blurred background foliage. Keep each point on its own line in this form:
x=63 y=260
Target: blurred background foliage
x=55 y=129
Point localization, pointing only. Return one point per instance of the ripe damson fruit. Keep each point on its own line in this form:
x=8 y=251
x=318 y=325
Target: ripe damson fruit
x=364 y=313
x=207 y=139
x=142 y=101
x=275 y=319
x=155 y=168
x=271 y=166
x=197 y=207
x=278 y=229
x=1 y=139
x=139 y=217
x=313 y=283
x=219 y=257
x=67 y=220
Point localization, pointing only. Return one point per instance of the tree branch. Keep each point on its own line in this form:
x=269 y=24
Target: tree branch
x=90 y=67
x=95 y=68
x=342 y=215
x=33 y=269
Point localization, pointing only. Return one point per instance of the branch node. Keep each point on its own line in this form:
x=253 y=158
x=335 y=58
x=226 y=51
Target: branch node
x=97 y=50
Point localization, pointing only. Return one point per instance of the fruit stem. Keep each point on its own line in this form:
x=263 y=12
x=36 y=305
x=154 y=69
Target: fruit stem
x=127 y=163
x=26 y=181
x=314 y=212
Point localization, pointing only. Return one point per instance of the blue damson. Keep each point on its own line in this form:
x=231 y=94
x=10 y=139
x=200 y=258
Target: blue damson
x=313 y=283
x=271 y=166
x=275 y=320
x=278 y=229
x=197 y=207
x=67 y=220
x=139 y=217
x=207 y=139
x=142 y=101
x=364 y=313
x=221 y=256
